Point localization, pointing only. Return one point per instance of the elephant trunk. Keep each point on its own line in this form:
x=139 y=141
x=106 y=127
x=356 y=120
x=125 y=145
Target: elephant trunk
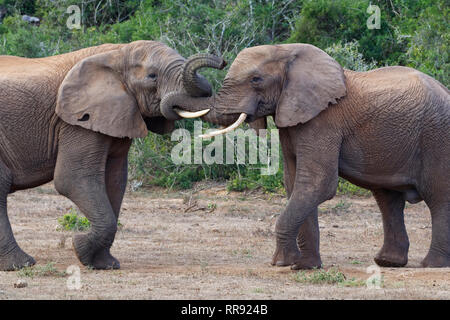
x=194 y=84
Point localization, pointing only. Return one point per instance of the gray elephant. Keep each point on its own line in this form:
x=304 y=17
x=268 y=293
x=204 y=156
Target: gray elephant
x=71 y=118
x=387 y=130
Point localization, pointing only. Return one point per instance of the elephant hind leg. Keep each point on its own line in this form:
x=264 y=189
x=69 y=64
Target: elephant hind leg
x=394 y=252
x=439 y=254
x=11 y=256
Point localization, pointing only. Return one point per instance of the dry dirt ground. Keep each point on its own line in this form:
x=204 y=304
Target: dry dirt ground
x=211 y=244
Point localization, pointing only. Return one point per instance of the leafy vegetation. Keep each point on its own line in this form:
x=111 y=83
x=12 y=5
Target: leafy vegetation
x=346 y=188
x=72 y=221
x=47 y=270
x=412 y=33
x=330 y=276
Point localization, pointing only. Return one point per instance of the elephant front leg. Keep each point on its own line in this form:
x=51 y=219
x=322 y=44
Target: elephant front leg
x=311 y=178
x=297 y=228
x=116 y=182
x=308 y=238
x=80 y=176
x=297 y=243
x=89 y=194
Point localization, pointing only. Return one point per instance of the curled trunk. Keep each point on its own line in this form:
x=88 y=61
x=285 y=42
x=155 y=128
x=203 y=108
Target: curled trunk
x=194 y=84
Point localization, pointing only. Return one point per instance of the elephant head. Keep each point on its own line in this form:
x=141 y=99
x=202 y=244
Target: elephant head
x=118 y=92
x=292 y=82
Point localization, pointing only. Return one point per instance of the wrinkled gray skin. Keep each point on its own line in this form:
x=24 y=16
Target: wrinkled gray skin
x=387 y=130
x=106 y=96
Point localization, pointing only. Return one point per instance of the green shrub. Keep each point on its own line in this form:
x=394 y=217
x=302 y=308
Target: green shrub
x=47 y=270
x=325 y=22
x=346 y=188
x=349 y=57
x=330 y=276
x=250 y=178
x=72 y=221
x=413 y=33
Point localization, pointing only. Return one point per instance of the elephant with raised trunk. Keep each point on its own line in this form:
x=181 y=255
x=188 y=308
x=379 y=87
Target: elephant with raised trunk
x=71 y=118
x=387 y=130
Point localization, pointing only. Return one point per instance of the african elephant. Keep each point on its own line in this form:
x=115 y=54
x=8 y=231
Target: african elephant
x=71 y=118
x=387 y=130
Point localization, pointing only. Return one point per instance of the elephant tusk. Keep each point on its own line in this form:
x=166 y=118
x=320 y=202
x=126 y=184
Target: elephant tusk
x=191 y=115
x=239 y=121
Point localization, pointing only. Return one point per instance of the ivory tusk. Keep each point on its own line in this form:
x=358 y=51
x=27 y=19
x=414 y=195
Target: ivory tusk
x=191 y=115
x=239 y=121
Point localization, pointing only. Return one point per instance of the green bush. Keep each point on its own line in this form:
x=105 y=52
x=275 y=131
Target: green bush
x=250 y=178
x=47 y=270
x=346 y=188
x=72 y=221
x=413 y=33
x=325 y=22
x=349 y=57
x=330 y=276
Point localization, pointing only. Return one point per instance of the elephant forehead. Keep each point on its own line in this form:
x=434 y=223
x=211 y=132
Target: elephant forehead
x=241 y=70
x=244 y=65
x=152 y=50
x=251 y=60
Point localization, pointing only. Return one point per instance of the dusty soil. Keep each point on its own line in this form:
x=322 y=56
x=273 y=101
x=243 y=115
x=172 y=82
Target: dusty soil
x=207 y=243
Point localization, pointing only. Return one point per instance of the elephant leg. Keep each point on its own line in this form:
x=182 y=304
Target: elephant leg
x=308 y=238
x=11 y=256
x=80 y=176
x=116 y=182
x=302 y=251
x=439 y=253
x=315 y=181
x=394 y=252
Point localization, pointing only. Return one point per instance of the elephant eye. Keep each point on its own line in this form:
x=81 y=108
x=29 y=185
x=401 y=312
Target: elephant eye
x=256 y=80
x=152 y=76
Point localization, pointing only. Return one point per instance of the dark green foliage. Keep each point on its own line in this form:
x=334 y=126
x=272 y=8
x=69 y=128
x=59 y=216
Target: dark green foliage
x=22 y=6
x=413 y=33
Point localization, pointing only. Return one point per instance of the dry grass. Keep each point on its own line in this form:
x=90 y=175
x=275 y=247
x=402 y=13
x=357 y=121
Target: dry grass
x=217 y=245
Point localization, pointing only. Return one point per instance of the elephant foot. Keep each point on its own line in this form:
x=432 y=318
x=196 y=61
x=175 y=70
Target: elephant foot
x=84 y=248
x=285 y=256
x=391 y=258
x=16 y=259
x=436 y=260
x=103 y=260
x=90 y=255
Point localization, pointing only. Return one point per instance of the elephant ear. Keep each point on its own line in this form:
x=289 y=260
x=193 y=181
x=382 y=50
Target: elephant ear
x=258 y=124
x=313 y=81
x=94 y=97
x=159 y=125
